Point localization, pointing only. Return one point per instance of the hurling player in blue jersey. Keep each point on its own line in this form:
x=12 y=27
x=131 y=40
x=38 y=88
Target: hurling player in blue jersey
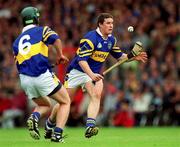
x=36 y=78
x=93 y=51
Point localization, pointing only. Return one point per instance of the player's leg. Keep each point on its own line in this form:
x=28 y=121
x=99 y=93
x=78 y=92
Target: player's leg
x=95 y=91
x=42 y=108
x=29 y=85
x=51 y=121
x=62 y=97
x=47 y=84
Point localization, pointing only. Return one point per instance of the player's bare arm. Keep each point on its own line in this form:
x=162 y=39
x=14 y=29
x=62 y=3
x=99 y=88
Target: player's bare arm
x=60 y=57
x=94 y=76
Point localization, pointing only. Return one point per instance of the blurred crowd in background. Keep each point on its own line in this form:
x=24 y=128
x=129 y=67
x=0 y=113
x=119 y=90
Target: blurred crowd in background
x=135 y=94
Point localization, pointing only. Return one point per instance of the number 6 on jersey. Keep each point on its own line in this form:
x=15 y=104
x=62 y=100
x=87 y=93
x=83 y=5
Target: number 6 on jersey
x=24 y=48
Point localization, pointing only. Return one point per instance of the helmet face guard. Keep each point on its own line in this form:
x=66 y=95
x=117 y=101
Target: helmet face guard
x=30 y=15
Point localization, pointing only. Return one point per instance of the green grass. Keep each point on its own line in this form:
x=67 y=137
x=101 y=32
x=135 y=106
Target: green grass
x=107 y=137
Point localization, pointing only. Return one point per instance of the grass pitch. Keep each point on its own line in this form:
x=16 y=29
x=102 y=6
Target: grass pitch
x=107 y=137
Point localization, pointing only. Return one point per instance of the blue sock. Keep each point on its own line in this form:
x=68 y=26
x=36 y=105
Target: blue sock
x=58 y=131
x=37 y=115
x=50 y=124
x=90 y=122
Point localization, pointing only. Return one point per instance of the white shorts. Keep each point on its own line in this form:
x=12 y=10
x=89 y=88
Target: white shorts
x=40 y=86
x=76 y=79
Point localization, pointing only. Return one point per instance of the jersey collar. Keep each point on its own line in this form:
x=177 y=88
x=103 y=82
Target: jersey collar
x=28 y=27
x=99 y=32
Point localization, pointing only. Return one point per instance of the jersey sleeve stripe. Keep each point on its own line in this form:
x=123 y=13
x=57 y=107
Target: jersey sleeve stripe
x=116 y=48
x=45 y=30
x=87 y=54
x=84 y=52
x=117 y=51
x=89 y=42
x=52 y=33
x=44 y=36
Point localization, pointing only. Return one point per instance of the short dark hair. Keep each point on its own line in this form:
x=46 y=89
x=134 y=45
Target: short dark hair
x=102 y=17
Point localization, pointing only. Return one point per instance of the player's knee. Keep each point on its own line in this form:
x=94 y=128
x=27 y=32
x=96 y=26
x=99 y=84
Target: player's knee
x=96 y=95
x=66 y=100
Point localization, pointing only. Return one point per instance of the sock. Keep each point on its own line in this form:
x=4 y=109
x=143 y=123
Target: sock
x=37 y=115
x=58 y=131
x=50 y=124
x=90 y=122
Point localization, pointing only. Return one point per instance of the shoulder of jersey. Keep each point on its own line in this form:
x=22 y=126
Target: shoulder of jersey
x=112 y=36
x=91 y=35
x=27 y=32
x=47 y=30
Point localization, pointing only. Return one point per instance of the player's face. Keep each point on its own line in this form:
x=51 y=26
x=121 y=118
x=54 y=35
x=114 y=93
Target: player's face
x=107 y=26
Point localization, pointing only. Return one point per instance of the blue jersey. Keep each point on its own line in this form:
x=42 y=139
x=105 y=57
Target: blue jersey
x=94 y=49
x=31 y=50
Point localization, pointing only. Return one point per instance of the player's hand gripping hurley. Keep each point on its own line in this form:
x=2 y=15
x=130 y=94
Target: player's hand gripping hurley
x=137 y=49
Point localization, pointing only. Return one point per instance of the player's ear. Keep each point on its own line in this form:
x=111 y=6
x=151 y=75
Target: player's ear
x=100 y=25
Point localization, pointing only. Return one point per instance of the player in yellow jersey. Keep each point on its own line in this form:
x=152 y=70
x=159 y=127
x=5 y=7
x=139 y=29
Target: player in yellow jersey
x=85 y=67
x=36 y=78
x=93 y=51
